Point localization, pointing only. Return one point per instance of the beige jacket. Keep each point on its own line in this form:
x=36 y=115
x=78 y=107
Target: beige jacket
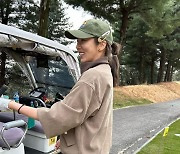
x=85 y=113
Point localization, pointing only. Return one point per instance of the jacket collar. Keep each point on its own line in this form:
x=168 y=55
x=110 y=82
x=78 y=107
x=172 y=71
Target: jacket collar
x=87 y=65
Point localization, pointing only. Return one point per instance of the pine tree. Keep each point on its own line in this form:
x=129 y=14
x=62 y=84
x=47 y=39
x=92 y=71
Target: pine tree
x=28 y=19
x=139 y=54
x=26 y=15
x=58 y=22
x=162 y=25
x=44 y=18
x=5 y=11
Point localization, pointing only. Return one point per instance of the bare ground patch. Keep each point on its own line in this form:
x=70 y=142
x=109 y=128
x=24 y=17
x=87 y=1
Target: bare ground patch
x=160 y=92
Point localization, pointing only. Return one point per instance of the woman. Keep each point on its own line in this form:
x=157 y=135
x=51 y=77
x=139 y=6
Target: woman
x=84 y=118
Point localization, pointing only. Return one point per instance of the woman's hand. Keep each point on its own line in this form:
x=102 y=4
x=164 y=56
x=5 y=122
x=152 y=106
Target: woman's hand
x=57 y=146
x=4 y=104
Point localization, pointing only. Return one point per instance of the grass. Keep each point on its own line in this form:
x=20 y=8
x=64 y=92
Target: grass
x=169 y=144
x=122 y=100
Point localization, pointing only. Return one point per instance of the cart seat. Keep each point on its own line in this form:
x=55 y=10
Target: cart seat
x=8 y=116
x=12 y=135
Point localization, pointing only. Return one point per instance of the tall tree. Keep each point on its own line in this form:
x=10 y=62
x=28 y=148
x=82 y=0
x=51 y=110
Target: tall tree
x=28 y=19
x=140 y=53
x=26 y=15
x=5 y=10
x=44 y=17
x=168 y=16
x=58 y=22
x=172 y=54
x=162 y=65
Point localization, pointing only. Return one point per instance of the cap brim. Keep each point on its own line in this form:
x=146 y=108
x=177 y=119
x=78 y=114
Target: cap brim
x=75 y=34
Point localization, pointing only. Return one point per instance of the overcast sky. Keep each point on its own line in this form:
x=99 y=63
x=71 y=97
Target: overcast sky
x=76 y=18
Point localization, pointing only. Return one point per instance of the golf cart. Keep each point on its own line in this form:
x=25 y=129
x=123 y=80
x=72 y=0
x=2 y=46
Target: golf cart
x=51 y=70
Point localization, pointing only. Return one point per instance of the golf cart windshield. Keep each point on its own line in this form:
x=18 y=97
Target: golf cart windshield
x=56 y=77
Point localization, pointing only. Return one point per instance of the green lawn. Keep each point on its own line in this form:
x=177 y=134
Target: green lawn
x=121 y=100
x=169 y=144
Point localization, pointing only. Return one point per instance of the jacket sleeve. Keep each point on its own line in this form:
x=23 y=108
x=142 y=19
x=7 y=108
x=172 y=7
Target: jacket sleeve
x=67 y=114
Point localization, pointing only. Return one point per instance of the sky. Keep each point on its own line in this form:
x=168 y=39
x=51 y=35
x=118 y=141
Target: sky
x=76 y=15
x=76 y=18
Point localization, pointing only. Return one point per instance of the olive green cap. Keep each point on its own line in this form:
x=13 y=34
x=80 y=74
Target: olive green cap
x=92 y=28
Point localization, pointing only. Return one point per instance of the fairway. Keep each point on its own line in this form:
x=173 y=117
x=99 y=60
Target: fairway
x=169 y=144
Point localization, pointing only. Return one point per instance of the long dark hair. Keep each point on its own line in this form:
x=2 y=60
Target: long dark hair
x=112 y=52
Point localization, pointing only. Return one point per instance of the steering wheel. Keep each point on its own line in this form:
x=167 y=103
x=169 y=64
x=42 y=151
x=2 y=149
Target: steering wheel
x=37 y=102
x=38 y=89
x=38 y=94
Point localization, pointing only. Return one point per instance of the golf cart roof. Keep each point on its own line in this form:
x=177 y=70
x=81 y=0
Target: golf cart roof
x=19 y=41
x=16 y=38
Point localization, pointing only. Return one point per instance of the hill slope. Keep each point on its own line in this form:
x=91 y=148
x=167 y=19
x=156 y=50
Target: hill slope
x=160 y=92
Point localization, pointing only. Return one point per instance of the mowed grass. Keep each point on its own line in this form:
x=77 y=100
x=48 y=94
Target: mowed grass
x=122 y=100
x=169 y=144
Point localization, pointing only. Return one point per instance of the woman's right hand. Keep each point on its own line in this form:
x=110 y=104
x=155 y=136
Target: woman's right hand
x=57 y=146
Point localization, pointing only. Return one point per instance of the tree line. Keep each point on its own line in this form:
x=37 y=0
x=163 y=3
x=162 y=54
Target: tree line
x=148 y=32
